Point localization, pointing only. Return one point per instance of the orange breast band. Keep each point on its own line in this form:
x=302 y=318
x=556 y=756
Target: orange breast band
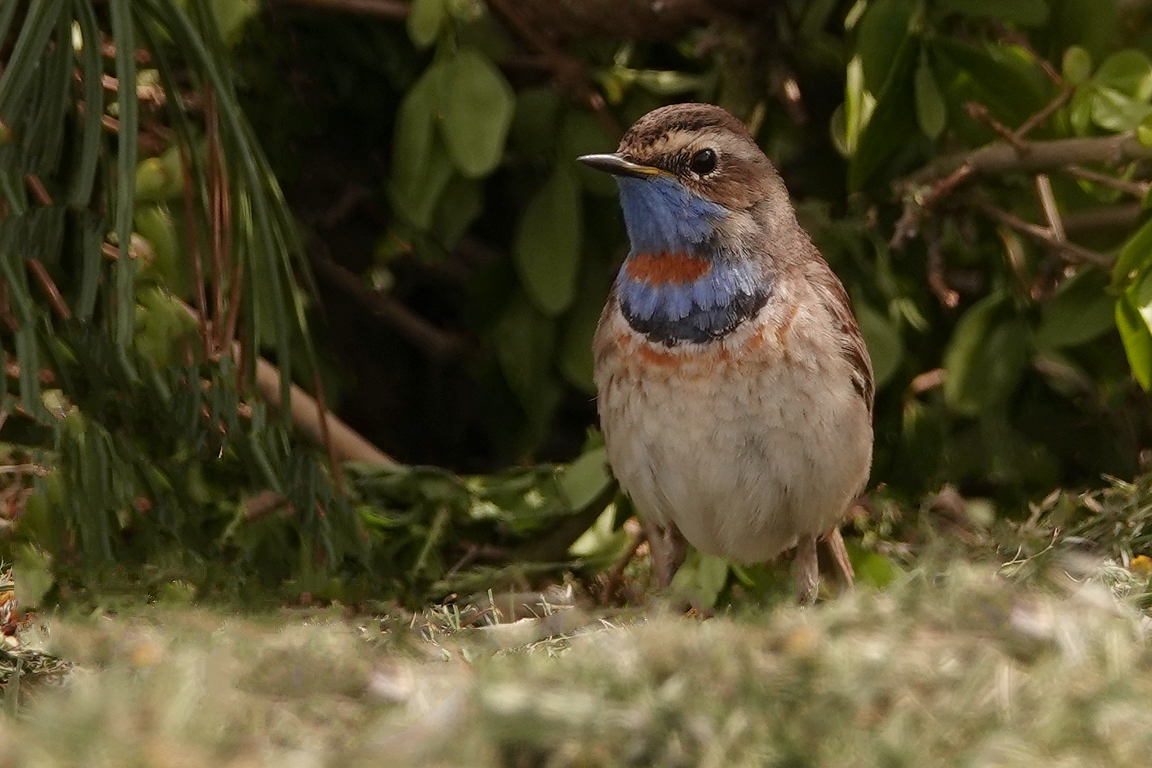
x=663 y=268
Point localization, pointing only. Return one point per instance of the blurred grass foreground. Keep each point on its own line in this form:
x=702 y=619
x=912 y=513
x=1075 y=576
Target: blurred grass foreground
x=952 y=665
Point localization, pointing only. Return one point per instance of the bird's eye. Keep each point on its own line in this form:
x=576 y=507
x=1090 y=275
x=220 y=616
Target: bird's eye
x=703 y=162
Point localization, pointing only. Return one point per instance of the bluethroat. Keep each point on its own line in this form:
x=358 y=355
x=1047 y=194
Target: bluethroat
x=735 y=390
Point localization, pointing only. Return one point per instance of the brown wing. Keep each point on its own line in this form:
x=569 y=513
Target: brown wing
x=835 y=300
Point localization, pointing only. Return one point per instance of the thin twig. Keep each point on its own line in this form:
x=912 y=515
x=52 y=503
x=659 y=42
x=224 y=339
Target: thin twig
x=1136 y=189
x=1071 y=251
x=937 y=282
x=980 y=113
x=1048 y=203
x=38 y=190
x=917 y=201
x=927 y=380
x=1039 y=118
x=49 y=287
x=436 y=343
x=1021 y=40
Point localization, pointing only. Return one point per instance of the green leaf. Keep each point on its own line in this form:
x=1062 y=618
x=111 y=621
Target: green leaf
x=1089 y=23
x=460 y=205
x=999 y=76
x=1115 y=111
x=1129 y=72
x=425 y=18
x=1076 y=65
x=703 y=577
x=885 y=346
x=476 y=105
x=1139 y=295
x=420 y=165
x=851 y=117
x=1078 y=312
x=533 y=130
x=930 y=111
x=548 y=243
x=891 y=121
x=155 y=225
x=1137 y=341
x=1135 y=257
x=232 y=17
x=586 y=478
x=985 y=356
x=882 y=31
x=1144 y=134
x=1027 y=12
x=872 y=568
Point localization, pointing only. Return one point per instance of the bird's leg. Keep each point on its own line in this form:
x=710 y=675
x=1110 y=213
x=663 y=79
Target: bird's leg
x=668 y=549
x=834 y=545
x=806 y=570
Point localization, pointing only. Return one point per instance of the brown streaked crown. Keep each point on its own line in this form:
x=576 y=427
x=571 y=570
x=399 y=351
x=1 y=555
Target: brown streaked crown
x=667 y=138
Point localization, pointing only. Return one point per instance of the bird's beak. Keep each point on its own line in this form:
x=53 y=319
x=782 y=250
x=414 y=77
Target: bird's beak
x=617 y=165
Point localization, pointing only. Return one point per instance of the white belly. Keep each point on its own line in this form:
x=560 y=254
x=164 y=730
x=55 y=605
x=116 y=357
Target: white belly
x=744 y=444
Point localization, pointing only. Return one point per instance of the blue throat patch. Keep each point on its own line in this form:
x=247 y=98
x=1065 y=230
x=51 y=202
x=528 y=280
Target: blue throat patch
x=677 y=284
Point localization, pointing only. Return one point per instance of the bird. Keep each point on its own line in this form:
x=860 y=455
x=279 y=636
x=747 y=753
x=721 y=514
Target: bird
x=734 y=388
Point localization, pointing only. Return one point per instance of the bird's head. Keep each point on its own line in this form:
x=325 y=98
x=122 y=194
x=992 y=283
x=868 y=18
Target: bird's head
x=690 y=174
x=707 y=216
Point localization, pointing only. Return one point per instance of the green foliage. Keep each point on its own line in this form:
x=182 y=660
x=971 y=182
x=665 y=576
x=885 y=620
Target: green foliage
x=136 y=406
x=1007 y=305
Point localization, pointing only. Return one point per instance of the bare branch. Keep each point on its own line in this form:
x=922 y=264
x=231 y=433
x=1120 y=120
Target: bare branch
x=436 y=343
x=1041 y=156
